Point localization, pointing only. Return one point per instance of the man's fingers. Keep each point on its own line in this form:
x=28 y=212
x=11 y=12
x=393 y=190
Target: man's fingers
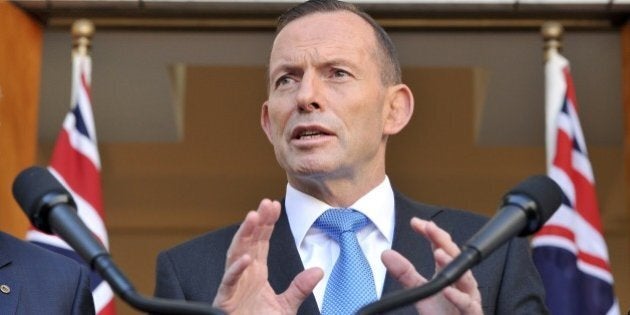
x=235 y=270
x=445 y=251
x=466 y=283
x=253 y=235
x=301 y=287
x=232 y=274
x=269 y=212
x=438 y=237
x=401 y=269
x=465 y=303
x=464 y=294
x=242 y=240
x=441 y=258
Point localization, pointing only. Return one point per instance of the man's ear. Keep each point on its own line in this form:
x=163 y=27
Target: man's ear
x=264 y=120
x=398 y=109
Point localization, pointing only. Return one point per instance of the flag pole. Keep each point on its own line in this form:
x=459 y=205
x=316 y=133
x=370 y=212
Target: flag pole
x=552 y=35
x=82 y=32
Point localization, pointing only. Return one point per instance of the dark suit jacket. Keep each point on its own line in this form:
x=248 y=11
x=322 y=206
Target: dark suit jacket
x=508 y=281
x=40 y=281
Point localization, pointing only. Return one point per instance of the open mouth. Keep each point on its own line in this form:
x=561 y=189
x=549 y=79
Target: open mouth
x=309 y=133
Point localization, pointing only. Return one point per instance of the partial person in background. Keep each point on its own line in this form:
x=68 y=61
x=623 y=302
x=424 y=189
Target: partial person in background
x=34 y=280
x=342 y=236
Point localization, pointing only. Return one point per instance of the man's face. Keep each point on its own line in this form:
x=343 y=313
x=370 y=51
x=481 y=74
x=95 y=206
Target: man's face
x=324 y=115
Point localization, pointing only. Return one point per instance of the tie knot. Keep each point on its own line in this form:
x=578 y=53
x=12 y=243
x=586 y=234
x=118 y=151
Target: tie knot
x=337 y=221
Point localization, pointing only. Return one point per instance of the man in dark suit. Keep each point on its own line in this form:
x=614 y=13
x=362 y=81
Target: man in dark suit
x=335 y=96
x=34 y=280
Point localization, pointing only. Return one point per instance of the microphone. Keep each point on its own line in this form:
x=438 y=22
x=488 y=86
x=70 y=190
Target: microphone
x=524 y=211
x=50 y=208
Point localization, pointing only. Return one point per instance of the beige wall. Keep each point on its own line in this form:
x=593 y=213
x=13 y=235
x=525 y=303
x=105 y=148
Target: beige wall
x=158 y=195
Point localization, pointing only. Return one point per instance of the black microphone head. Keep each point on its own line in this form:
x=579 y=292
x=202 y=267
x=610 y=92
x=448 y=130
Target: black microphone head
x=539 y=196
x=37 y=191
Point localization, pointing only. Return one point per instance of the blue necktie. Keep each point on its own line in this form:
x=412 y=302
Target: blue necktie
x=351 y=283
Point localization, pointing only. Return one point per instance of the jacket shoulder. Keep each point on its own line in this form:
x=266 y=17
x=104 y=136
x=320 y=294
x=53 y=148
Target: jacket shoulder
x=193 y=270
x=210 y=242
x=459 y=223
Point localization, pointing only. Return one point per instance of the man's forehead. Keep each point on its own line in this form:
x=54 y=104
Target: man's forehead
x=342 y=23
x=325 y=30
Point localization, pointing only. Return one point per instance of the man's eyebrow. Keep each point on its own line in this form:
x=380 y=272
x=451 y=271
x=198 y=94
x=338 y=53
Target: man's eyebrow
x=283 y=67
x=295 y=66
x=340 y=62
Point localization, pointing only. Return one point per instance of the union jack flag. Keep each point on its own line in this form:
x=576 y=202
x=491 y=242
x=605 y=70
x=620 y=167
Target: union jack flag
x=76 y=164
x=570 y=251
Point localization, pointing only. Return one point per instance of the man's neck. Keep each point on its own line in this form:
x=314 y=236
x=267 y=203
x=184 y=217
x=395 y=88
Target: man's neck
x=340 y=192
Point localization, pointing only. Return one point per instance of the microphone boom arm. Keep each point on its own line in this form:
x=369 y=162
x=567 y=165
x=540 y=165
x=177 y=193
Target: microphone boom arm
x=525 y=209
x=51 y=209
x=99 y=259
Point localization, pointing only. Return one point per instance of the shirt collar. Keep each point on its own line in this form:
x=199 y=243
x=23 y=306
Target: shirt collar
x=377 y=205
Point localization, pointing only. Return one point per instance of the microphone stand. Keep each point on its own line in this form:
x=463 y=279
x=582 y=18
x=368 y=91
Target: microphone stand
x=108 y=270
x=519 y=213
x=99 y=259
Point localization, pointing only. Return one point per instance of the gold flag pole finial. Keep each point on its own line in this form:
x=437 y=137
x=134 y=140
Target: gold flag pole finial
x=552 y=35
x=82 y=32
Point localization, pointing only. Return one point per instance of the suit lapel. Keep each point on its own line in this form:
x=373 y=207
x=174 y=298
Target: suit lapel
x=5 y=260
x=8 y=277
x=409 y=244
x=284 y=262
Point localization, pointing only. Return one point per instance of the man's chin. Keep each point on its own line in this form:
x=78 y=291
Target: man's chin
x=313 y=169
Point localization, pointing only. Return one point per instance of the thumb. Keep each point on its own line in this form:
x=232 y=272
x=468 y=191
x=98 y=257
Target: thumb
x=301 y=287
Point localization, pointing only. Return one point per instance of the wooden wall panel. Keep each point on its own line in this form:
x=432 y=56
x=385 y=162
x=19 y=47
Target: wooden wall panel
x=622 y=246
x=625 y=89
x=20 y=60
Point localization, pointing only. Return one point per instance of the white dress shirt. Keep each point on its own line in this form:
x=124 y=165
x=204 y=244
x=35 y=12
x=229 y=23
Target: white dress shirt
x=317 y=249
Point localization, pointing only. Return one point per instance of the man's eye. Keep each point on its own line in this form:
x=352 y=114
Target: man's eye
x=283 y=80
x=337 y=73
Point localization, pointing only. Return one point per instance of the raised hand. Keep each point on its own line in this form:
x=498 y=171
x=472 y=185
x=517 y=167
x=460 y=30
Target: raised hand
x=462 y=297
x=245 y=288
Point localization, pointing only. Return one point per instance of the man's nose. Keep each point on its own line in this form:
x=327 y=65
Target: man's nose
x=309 y=93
